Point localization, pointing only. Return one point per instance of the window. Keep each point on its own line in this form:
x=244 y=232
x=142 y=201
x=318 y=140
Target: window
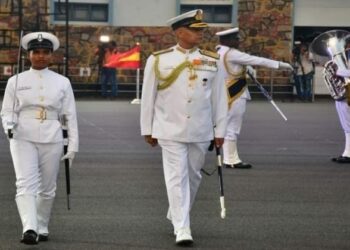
x=82 y=12
x=212 y=13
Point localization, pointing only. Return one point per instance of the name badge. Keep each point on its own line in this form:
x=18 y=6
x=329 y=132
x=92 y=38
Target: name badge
x=24 y=88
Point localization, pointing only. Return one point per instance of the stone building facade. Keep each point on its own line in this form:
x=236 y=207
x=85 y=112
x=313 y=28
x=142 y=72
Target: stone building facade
x=266 y=30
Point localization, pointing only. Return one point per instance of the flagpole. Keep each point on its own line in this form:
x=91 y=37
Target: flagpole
x=137 y=99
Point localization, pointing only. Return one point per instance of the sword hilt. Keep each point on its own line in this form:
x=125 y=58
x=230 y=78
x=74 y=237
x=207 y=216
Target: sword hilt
x=9 y=133
x=211 y=145
x=10 y=126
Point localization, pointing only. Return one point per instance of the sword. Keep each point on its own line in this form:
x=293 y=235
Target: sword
x=66 y=161
x=266 y=94
x=10 y=125
x=221 y=181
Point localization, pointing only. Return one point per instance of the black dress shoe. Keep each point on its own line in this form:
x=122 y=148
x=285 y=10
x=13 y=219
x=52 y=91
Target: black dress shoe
x=185 y=243
x=341 y=159
x=30 y=237
x=228 y=165
x=241 y=165
x=43 y=237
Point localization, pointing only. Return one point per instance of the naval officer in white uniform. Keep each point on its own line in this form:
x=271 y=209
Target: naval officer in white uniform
x=34 y=101
x=183 y=107
x=234 y=63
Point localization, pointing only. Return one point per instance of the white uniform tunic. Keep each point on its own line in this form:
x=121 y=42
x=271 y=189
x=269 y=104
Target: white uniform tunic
x=38 y=89
x=185 y=111
x=182 y=117
x=236 y=61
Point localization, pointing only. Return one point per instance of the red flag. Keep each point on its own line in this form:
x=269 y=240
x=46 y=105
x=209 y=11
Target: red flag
x=127 y=60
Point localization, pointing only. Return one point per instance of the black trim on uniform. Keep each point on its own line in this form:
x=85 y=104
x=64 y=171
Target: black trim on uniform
x=234 y=89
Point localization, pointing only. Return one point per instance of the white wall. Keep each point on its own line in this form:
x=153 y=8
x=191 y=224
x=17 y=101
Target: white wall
x=143 y=12
x=321 y=12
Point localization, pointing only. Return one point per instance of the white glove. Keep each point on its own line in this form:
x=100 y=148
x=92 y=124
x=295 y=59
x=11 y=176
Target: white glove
x=70 y=156
x=251 y=70
x=283 y=65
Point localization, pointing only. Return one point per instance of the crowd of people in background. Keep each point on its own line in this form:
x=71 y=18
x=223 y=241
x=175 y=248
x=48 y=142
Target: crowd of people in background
x=304 y=71
x=107 y=75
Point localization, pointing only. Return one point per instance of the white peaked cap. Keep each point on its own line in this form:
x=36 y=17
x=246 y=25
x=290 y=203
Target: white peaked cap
x=40 y=40
x=192 y=19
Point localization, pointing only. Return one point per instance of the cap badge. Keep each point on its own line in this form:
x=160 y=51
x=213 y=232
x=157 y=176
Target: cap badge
x=40 y=37
x=199 y=15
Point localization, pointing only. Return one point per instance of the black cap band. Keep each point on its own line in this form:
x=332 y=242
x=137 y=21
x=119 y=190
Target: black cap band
x=232 y=36
x=185 y=23
x=43 y=44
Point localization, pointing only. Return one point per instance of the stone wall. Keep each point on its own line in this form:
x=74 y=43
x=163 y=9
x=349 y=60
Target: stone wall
x=266 y=29
x=84 y=41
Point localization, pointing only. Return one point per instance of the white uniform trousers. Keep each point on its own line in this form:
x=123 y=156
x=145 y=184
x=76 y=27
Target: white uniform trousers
x=182 y=164
x=343 y=111
x=36 y=167
x=234 y=125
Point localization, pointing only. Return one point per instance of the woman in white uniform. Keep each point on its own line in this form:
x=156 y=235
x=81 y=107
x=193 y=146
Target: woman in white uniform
x=34 y=103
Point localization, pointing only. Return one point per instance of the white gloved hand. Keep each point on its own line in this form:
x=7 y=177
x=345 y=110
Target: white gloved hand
x=251 y=70
x=7 y=134
x=70 y=156
x=283 y=65
x=9 y=126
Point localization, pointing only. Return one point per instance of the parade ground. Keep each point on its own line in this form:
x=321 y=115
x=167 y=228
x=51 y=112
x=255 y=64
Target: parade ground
x=294 y=197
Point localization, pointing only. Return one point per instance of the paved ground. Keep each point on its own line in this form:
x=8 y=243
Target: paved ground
x=293 y=198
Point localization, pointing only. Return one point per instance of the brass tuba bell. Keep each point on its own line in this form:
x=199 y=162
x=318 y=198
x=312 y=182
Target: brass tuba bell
x=328 y=49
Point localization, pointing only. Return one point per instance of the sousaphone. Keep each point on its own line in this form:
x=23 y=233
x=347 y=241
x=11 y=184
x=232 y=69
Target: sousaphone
x=329 y=50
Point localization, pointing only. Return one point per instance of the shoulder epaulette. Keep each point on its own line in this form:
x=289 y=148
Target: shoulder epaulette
x=209 y=53
x=156 y=53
